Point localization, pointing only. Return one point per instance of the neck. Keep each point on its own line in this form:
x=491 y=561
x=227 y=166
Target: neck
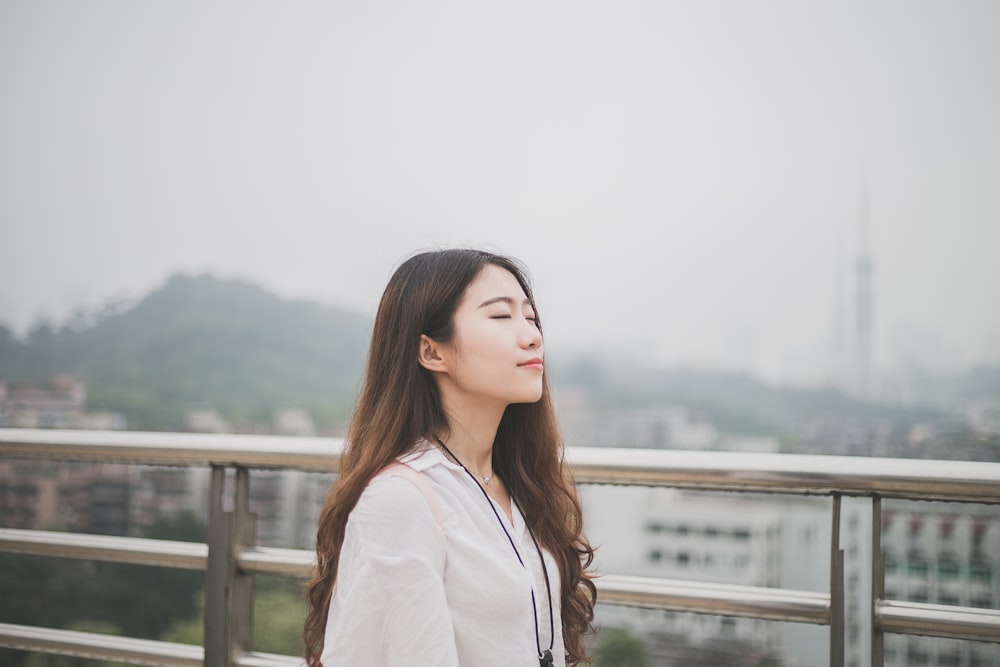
x=471 y=432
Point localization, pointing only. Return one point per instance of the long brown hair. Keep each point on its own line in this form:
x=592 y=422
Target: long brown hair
x=421 y=298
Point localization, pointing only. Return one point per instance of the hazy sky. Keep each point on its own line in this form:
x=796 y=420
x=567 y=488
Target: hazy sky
x=682 y=178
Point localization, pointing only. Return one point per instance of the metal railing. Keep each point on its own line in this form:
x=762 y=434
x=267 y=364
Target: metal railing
x=231 y=558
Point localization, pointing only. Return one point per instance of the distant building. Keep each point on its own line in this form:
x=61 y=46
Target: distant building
x=983 y=416
x=742 y=539
x=294 y=421
x=662 y=427
x=61 y=405
x=27 y=499
x=941 y=554
x=206 y=420
x=58 y=406
x=101 y=498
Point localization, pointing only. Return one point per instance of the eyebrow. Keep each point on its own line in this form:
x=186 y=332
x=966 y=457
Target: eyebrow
x=503 y=299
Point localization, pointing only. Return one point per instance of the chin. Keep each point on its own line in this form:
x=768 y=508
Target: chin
x=534 y=397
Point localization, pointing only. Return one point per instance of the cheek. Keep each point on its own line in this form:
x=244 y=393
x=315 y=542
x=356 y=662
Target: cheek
x=479 y=342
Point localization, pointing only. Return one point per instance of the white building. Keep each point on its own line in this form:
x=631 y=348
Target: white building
x=744 y=539
x=941 y=553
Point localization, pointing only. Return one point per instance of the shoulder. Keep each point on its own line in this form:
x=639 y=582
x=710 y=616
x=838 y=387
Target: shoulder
x=392 y=517
x=395 y=495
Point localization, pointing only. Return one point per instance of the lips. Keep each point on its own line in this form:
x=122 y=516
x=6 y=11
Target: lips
x=532 y=363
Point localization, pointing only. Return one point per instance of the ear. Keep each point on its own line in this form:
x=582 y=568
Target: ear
x=429 y=355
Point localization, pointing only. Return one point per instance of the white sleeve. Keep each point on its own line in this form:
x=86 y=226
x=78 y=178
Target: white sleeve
x=389 y=606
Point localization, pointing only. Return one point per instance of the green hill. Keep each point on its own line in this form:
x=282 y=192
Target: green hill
x=199 y=341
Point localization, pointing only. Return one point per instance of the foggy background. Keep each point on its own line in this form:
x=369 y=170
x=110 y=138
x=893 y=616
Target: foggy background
x=687 y=181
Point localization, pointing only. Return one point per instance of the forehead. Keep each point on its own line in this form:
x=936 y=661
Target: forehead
x=492 y=282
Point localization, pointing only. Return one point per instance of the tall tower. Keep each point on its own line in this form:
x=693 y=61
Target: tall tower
x=841 y=366
x=864 y=267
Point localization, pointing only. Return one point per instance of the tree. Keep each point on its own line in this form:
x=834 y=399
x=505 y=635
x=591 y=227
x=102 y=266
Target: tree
x=144 y=600
x=620 y=648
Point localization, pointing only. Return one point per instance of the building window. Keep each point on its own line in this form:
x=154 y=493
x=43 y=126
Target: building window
x=951 y=658
x=917 y=565
x=982 y=602
x=891 y=563
x=947 y=527
x=948 y=569
x=980 y=571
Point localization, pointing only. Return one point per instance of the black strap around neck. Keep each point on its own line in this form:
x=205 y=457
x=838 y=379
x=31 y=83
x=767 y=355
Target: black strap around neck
x=544 y=657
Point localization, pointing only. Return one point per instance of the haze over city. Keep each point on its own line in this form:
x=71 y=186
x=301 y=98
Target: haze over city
x=686 y=181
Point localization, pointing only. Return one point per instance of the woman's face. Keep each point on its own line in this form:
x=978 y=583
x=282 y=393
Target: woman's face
x=496 y=351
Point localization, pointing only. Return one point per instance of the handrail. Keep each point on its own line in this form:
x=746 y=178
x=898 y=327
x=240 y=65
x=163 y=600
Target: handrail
x=701 y=597
x=126 y=649
x=938 y=620
x=136 y=550
x=799 y=474
x=173 y=449
x=649 y=592
x=237 y=557
x=101 y=647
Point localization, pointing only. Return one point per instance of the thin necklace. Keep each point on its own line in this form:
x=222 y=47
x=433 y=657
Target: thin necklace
x=544 y=657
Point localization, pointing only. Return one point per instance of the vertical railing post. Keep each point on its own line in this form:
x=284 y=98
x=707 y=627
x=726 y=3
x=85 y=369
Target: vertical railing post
x=878 y=583
x=217 y=640
x=836 y=589
x=242 y=583
x=228 y=591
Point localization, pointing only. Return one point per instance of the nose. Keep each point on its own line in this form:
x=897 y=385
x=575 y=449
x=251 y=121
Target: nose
x=531 y=338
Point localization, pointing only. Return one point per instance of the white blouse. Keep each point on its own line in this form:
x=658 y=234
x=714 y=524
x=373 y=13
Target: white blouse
x=411 y=593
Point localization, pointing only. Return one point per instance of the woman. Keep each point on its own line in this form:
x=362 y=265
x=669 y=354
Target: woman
x=471 y=554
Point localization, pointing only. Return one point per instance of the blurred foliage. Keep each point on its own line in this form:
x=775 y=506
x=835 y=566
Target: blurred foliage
x=199 y=341
x=279 y=616
x=620 y=648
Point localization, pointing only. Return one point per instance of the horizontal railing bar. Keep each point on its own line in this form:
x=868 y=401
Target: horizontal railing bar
x=173 y=449
x=935 y=620
x=672 y=594
x=273 y=560
x=678 y=595
x=101 y=647
x=267 y=660
x=773 y=604
x=84 y=546
x=800 y=474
